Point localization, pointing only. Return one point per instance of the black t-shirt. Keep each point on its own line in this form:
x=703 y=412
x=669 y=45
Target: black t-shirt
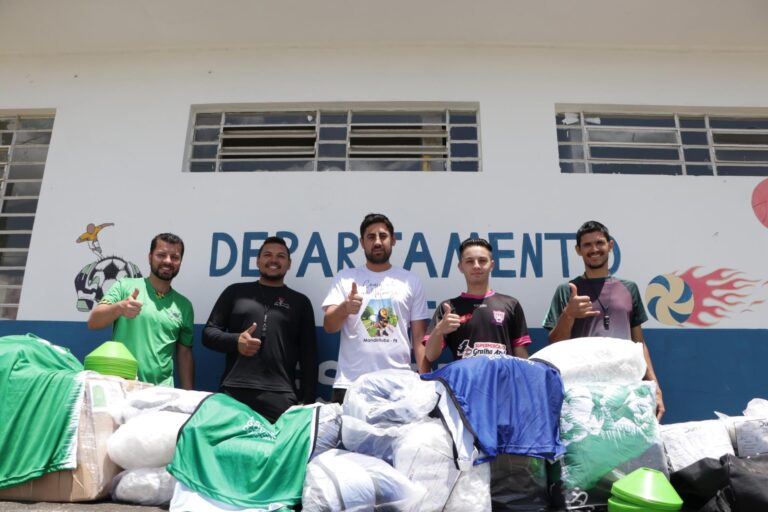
x=492 y=324
x=286 y=327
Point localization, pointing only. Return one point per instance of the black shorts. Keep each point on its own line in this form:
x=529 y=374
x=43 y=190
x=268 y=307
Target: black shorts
x=270 y=404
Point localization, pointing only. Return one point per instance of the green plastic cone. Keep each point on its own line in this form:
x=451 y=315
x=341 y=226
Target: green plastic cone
x=647 y=487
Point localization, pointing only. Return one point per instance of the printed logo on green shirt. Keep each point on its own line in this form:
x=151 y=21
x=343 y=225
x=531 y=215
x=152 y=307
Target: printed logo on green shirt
x=254 y=428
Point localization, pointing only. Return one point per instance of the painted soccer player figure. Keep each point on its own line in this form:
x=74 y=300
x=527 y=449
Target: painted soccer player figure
x=480 y=321
x=598 y=303
x=360 y=298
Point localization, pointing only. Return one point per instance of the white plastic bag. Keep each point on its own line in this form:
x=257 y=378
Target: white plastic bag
x=144 y=486
x=146 y=441
x=328 y=429
x=425 y=456
x=157 y=398
x=596 y=359
x=341 y=480
x=757 y=407
x=472 y=492
x=374 y=440
x=390 y=396
x=187 y=500
x=686 y=443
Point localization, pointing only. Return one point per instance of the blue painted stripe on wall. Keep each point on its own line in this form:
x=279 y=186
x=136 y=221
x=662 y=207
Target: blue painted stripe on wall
x=701 y=370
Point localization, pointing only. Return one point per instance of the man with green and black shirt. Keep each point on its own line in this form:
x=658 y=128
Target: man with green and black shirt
x=598 y=303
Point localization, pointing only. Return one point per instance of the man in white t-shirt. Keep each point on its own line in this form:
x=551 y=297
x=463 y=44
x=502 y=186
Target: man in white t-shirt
x=373 y=307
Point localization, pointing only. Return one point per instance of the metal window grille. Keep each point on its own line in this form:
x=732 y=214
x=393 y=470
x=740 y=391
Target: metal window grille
x=24 y=144
x=334 y=140
x=662 y=143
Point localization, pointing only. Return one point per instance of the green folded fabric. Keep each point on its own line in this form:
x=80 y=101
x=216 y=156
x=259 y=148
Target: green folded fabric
x=41 y=386
x=228 y=452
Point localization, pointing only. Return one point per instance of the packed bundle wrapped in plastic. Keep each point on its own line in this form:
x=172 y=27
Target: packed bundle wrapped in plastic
x=686 y=443
x=144 y=486
x=597 y=359
x=425 y=456
x=158 y=398
x=609 y=430
x=328 y=429
x=748 y=434
x=472 y=492
x=390 y=396
x=374 y=440
x=146 y=441
x=519 y=484
x=341 y=480
x=757 y=408
x=186 y=500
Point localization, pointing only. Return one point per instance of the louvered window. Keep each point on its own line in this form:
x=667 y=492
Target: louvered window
x=681 y=143
x=335 y=140
x=23 y=150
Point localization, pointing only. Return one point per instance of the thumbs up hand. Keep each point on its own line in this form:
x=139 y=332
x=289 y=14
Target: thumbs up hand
x=450 y=321
x=130 y=307
x=354 y=301
x=247 y=345
x=579 y=306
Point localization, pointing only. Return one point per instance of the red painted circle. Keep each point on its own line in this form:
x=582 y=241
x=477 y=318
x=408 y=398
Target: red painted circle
x=760 y=202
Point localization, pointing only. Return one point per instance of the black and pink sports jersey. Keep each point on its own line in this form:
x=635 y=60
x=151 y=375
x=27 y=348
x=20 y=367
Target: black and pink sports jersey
x=490 y=325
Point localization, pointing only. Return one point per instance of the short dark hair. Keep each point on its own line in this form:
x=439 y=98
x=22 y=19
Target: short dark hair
x=376 y=218
x=275 y=240
x=168 y=238
x=480 y=242
x=591 y=226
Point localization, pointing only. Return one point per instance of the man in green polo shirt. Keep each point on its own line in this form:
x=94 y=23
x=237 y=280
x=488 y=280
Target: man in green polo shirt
x=152 y=319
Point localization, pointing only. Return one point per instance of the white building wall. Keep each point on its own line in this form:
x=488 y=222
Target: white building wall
x=122 y=120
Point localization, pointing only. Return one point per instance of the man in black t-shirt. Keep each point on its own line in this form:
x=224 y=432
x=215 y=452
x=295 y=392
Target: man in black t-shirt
x=479 y=321
x=265 y=328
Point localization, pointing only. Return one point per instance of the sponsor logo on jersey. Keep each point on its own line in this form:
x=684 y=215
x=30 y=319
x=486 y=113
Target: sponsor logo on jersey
x=481 y=348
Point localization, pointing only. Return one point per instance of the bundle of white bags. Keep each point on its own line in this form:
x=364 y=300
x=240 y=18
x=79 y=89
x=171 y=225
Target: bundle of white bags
x=145 y=441
x=394 y=456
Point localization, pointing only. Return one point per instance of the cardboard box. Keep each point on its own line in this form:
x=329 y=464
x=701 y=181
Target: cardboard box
x=92 y=478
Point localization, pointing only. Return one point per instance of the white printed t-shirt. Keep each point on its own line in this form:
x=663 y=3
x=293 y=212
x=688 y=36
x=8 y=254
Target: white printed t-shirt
x=377 y=337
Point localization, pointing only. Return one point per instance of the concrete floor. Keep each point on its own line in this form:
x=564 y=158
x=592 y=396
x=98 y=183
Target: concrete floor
x=104 y=506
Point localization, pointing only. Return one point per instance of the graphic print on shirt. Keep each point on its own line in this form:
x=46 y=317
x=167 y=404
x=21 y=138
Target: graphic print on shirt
x=379 y=319
x=467 y=349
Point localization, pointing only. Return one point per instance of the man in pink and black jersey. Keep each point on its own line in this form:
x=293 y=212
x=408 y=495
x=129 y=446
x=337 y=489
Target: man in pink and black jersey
x=480 y=321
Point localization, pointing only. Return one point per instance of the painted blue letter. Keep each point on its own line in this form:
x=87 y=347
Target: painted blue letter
x=346 y=249
x=534 y=255
x=498 y=254
x=230 y=243
x=419 y=256
x=315 y=242
x=249 y=252
x=454 y=242
x=563 y=237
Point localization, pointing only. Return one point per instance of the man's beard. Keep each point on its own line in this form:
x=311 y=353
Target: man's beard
x=379 y=258
x=156 y=272
x=273 y=278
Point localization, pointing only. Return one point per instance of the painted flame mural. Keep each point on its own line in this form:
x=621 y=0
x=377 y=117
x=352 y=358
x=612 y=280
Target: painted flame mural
x=699 y=298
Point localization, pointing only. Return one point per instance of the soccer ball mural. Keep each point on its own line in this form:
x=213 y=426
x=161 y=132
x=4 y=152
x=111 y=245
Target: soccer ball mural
x=95 y=279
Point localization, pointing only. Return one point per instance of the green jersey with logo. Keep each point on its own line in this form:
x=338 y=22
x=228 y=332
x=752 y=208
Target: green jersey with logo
x=230 y=453
x=152 y=336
